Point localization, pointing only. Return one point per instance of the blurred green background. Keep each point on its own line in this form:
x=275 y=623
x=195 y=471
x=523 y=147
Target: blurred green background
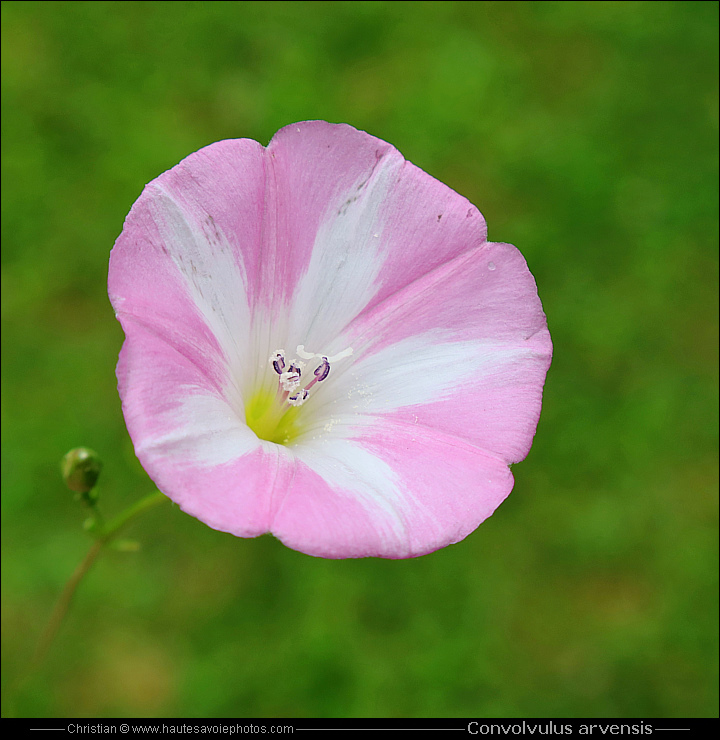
x=586 y=133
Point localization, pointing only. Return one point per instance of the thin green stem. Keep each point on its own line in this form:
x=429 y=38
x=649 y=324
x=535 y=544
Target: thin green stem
x=103 y=536
x=116 y=524
x=63 y=604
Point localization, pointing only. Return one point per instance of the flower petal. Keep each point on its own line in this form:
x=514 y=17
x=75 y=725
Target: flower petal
x=354 y=223
x=183 y=265
x=395 y=491
x=190 y=440
x=464 y=350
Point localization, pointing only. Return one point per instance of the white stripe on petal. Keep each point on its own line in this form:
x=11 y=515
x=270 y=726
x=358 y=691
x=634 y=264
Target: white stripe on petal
x=347 y=258
x=349 y=468
x=418 y=370
x=215 y=281
x=201 y=430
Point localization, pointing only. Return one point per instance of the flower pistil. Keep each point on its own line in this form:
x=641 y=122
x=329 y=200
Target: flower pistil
x=274 y=416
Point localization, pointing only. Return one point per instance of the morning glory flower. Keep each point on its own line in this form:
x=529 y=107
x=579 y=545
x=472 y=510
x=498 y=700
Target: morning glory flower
x=322 y=344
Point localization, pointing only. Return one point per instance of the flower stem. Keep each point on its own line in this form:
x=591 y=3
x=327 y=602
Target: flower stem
x=116 y=524
x=63 y=604
x=104 y=535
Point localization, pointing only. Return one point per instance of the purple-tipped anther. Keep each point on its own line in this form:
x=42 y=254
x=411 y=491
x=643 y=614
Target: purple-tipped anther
x=322 y=370
x=278 y=362
x=297 y=399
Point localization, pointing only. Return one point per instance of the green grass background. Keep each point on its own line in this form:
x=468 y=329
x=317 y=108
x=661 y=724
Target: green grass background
x=586 y=133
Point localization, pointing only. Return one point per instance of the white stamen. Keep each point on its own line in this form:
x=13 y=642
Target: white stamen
x=341 y=355
x=305 y=355
x=334 y=358
x=298 y=399
x=291 y=379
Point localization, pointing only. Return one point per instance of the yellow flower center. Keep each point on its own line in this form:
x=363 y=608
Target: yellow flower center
x=272 y=419
x=274 y=413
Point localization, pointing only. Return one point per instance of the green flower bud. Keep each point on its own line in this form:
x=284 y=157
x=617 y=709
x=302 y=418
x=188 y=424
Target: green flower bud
x=80 y=469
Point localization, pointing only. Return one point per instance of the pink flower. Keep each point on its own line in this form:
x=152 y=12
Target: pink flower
x=322 y=344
